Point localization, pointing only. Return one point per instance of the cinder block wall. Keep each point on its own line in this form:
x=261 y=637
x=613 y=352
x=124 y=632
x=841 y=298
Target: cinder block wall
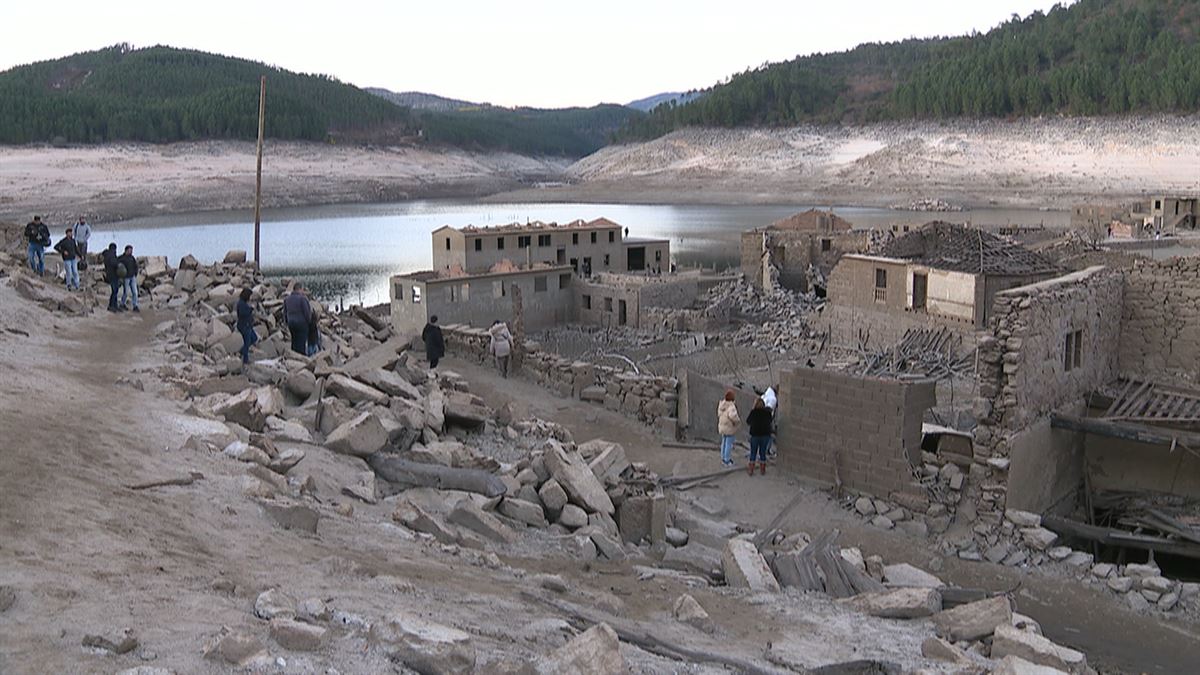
x=869 y=428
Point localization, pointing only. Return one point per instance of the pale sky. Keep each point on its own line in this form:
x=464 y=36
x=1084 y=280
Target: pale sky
x=545 y=53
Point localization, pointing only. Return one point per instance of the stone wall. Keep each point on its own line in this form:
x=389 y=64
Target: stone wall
x=648 y=398
x=1024 y=376
x=845 y=325
x=864 y=430
x=1160 y=324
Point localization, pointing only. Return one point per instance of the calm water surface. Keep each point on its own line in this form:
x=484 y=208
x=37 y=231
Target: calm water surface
x=347 y=252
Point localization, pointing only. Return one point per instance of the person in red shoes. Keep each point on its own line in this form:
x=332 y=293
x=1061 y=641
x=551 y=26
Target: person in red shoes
x=760 y=421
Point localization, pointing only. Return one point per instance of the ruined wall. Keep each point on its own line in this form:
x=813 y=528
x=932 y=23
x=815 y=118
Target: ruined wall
x=702 y=395
x=600 y=304
x=408 y=317
x=548 y=295
x=882 y=328
x=670 y=293
x=793 y=251
x=647 y=398
x=865 y=430
x=574 y=242
x=1160 y=331
x=1023 y=377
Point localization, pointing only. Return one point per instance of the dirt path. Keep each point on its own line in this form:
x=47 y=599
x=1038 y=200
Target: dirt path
x=1095 y=621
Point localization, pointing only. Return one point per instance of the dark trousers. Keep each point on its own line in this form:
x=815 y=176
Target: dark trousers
x=249 y=337
x=115 y=285
x=299 y=331
x=758 y=448
x=433 y=361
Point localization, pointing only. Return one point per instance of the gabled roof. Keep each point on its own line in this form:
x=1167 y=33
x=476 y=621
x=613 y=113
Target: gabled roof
x=947 y=246
x=812 y=220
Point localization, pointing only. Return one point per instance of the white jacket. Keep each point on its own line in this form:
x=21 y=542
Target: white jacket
x=501 y=340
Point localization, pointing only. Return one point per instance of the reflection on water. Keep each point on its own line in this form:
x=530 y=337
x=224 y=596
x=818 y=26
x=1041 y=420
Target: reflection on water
x=346 y=253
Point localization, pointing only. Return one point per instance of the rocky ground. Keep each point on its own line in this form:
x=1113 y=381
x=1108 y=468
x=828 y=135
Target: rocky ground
x=166 y=510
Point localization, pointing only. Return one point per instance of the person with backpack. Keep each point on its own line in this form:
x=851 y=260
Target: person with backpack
x=435 y=344
x=245 y=323
x=68 y=248
x=38 y=236
x=83 y=232
x=127 y=270
x=298 y=314
x=109 y=258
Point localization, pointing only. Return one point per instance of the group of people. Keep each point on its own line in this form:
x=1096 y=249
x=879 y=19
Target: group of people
x=298 y=314
x=500 y=343
x=761 y=423
x=120 y=269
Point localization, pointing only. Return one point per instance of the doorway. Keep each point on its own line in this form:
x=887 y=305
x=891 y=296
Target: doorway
x=562 y=256
x=621 y=318
x=920 y=290
x=636 y=259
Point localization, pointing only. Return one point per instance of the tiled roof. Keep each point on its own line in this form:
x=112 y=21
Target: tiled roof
x=947 y=246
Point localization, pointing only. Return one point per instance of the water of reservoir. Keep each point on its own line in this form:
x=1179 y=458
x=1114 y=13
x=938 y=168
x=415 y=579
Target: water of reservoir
x=346 y=253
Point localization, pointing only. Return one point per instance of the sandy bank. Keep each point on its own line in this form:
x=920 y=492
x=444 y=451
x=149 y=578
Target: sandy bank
x=114 y=182
x=1028 y=163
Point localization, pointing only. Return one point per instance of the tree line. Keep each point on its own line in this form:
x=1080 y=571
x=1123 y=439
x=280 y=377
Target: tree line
x=1096 y=57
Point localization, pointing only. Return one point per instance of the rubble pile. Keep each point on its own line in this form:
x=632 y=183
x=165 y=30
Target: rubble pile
x=928 y=204
x=777 y=319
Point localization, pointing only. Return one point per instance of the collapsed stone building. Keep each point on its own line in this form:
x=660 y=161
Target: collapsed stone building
x=799 y=251
x=1161 y=215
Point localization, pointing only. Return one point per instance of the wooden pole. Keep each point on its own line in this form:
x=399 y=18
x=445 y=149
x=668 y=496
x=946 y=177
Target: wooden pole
x=262 y=109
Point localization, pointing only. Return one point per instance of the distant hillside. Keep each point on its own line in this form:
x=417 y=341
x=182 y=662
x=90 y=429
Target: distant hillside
x=651 y=102
x=1096 y=57
x=562 y=132
x=419 y=100
x=162 y=94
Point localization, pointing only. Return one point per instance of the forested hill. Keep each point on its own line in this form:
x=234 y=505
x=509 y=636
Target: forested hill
x=1095 y=57
x=161 y=94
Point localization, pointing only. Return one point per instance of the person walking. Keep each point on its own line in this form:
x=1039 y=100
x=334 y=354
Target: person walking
x=68 y=248
x=435 y=344
x=501 y=347
x=129 y=282
x=770 y=400
x=38 y=236
x=314 y=336
x=759 y=421
x=245 y=324
x=109 y=257
x=83 y=232
x=298 y=314
x=727 y=424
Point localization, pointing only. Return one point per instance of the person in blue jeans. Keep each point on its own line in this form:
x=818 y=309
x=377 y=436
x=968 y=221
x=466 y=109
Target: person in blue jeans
x=727 y=425
x=245 y=324
x=38 y=236
x=109 y=257
x=69 y=250
x=129 y=284
x=760 y=422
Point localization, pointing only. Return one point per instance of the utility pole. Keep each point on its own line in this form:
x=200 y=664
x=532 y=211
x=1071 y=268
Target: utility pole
x=262 y=109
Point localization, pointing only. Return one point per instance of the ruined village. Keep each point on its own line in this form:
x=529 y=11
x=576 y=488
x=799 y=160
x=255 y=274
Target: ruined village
x=979 y=435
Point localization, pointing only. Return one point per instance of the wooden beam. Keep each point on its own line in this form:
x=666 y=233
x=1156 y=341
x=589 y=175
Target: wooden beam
x=1104 y=535
x=1124 y=430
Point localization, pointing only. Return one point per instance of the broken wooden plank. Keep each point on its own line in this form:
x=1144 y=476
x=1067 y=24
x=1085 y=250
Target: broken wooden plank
x=192 y=477
x=1124 y=430
x=1104 y=535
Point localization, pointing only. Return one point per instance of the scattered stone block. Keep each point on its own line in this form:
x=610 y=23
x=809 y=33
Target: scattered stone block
x=553 y=497
x=596 y=651
x=745 y=567
x=1121 y=584
x=1038 y=538
x=1009 y=641
x=973 y=620
x=688 y=611
x=580 y=484
x=1023 y=518
x=123 y=643
x=467 y=514
x=643 y=517
x=292 y=516
x=274 y=603
x=237 y=648
x=523 y=511
x=904 y=574
x=572 y=517
x=1013 y=665
x=1137 y=570
x=361 y=437
x=297 y=636
x=425 y=646
x=1059 y=552
x=353 y=391
x=901 y=603
x=940 y=650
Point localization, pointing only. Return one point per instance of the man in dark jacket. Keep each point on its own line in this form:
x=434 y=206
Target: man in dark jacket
x=298 y=314
x=109 y=257
x=69 y=250
x=129 y=283
x=435 y=345
x=38 y=236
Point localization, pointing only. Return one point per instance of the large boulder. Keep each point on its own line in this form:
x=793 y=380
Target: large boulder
x=467 y=514
x=234 y=256
x=973 y=620
x=523 y=511
x=242 y=409
x=362 y=436
x=154 y=266
x=904 y=574
x=596 y=651
x=354 y=392
x=610 y=463
x=580 y=484
x=425 y=646
x=745 y=567
x=462 y=409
